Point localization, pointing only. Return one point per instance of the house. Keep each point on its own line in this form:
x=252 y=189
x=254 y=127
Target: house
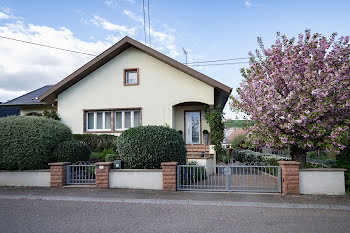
x=131 y=84
x=29 y=104
x=231 y=134
x=8 y=111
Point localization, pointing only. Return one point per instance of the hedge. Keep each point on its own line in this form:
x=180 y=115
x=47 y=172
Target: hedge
x=343 y=161
x=149 y=146
x=98 y=142
x=27 y=142
x=248 y=156
x=71 y=151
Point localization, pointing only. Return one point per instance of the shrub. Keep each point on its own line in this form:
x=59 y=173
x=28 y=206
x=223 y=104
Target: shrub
x=343 y=161
x=71 y=151
x=221 y=153
x=248 y=156
x=98 y=142
x=111 y=157
x=27 y=142
x=237 y=141
x=149 y=146
x=51 y=114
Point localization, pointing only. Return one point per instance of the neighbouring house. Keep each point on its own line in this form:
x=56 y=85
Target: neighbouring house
x=131 y=84
x=8 y=111
x=29 y=104
x=230 y=134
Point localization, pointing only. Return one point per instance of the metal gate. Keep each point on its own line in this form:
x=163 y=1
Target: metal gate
x=81 y=173
x=231 y=178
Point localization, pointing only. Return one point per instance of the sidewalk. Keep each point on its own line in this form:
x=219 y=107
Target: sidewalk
x=178 y=198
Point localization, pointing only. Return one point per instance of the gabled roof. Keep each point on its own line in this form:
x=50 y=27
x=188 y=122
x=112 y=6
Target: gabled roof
x=115 y=50
x=30 y=98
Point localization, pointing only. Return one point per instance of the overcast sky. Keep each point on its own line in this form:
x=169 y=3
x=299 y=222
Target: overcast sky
x=208 y=30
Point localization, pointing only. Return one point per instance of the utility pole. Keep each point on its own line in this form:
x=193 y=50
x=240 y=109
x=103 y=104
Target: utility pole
x=185 y=54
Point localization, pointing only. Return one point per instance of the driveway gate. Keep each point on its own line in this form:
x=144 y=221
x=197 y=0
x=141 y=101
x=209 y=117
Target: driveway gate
x=81 y=173
x=231 y=178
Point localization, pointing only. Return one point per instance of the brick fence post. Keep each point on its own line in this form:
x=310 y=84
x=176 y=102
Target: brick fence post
x=169 y=175
x=102 y=174
x=290 y=177
x=58 y=172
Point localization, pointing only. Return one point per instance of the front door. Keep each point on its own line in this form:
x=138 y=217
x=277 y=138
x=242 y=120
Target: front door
x=192 y=127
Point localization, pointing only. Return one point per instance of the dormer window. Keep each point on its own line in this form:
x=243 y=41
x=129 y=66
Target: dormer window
x=131 y=76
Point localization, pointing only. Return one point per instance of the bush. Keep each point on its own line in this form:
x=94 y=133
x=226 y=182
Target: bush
x=27 y=142
x=111 y=157
x=98 y=142
x=237 y=141
x=71 y=151
x=248 y=156
x=149 y=146
x=343 y=161
x=51 y=114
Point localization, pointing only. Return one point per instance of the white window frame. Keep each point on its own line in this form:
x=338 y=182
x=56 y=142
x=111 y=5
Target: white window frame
x=132 y=125
x=95 y=121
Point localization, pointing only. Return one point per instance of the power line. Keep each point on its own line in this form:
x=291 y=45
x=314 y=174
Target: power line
x=229 y=59
x=48 y=46
x=149 y=26
x=144 y=19
x=221 y=64
x=89 y=54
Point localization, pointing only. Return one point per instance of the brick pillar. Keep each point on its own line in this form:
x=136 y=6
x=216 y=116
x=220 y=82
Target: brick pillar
x=290 y=177
x=58 y=174
x=169 y=175
x=102 y=174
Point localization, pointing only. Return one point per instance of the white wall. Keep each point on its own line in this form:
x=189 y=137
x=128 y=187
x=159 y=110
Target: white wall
x=39 y=178
x=136 y=178
x=205 y=162
x=160 y=88
x=322 y=181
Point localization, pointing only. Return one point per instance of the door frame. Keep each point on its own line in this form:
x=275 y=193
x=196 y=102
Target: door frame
x=200 y=126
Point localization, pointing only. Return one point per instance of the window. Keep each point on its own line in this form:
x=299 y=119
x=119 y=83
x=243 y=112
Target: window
x=98 y=121
x=127 y=119
x=131 y=76
x=111 y=120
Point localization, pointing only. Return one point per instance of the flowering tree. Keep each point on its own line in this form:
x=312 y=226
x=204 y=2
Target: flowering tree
x=298 y=93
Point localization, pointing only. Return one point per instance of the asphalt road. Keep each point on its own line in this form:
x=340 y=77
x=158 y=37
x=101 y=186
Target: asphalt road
x=26 y=215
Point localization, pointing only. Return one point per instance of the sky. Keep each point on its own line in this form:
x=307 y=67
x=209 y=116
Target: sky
x=207 y=29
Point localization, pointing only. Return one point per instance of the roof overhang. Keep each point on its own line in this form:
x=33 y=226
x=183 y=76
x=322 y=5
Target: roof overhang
x=24 y=104
x=109 y=54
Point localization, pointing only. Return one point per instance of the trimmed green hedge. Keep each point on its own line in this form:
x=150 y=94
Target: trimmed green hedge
x=71 y=151
x=98 y=142
x=248 y=156
x=149 y=146
x=27 y=142
x=343 y=161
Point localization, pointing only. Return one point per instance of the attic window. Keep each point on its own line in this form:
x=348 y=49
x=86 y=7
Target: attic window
x=131 y=76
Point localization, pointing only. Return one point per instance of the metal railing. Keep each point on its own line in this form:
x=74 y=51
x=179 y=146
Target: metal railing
x=81 y=173
x=239 y=178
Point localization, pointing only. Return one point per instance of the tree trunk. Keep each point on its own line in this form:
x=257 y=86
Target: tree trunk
x=298 y=155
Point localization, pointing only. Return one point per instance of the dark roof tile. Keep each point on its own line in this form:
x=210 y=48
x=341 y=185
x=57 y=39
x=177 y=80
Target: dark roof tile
x=30 y=98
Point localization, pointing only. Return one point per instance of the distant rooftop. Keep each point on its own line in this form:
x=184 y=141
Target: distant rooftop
x=30 y=98
x=8 y=111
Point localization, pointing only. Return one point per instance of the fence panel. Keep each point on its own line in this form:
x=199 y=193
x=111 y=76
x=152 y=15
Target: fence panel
x=81 y=173
x=243 y=178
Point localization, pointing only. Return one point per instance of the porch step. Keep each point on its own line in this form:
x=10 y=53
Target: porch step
x=193 y=151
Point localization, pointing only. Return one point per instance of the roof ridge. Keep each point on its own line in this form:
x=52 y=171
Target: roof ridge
x=114 y=51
